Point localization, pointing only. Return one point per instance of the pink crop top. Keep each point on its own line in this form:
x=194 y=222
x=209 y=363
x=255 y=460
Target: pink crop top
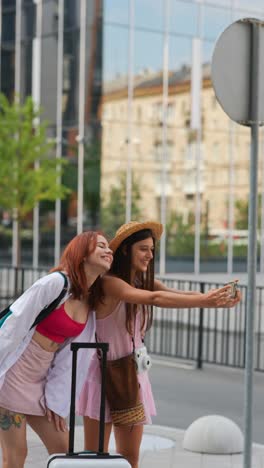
x=59 y=325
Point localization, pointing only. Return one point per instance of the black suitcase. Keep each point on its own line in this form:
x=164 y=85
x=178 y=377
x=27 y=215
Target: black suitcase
x=98 y=459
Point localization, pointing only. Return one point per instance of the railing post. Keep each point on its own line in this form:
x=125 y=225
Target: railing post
x=16 y=282
x=199 y=361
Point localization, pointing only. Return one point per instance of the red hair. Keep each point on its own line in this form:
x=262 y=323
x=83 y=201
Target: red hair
x=79 y=248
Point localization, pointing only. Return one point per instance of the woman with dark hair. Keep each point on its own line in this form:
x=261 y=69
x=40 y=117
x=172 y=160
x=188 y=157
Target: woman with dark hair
x=123 y=315
x=35 y=362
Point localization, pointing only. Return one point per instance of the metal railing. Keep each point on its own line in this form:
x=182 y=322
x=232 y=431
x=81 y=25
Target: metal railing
x=214 y=336
x=13 y=281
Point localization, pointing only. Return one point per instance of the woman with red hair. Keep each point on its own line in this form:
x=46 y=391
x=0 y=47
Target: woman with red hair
x=35 y=358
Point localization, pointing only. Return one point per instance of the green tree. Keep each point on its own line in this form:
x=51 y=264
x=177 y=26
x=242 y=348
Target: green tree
x=241 y=206
x=180 y=235
x=22 y=144
x=91 y=178
x=91 y=188
x=114 y=209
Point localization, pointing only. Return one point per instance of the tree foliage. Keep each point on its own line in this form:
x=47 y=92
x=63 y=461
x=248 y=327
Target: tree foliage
x=21 y=146
x=180 y=235
x=91 y=186
x=114 y=209
x=28 y=170
x=91 y=179
x=241 y=206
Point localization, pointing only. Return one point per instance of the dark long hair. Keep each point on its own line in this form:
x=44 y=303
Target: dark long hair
x=121 y=267
x=81 y=246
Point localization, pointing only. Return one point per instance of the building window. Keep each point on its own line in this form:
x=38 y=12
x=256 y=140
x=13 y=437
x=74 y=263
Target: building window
x=139 y=113
x=171 y=112
x=8 y=24
x=191 y=152
x=159 y=179
x=216 y=151
x=157 y=112
x=183 y=107
x=158 y=150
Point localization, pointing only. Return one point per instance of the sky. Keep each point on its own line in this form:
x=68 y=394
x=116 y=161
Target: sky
x=185 y=17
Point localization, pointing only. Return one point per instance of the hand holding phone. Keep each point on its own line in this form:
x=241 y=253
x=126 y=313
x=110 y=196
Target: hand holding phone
x=233 y=286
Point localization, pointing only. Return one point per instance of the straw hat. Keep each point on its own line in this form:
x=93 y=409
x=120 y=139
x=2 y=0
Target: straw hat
x=130 y=228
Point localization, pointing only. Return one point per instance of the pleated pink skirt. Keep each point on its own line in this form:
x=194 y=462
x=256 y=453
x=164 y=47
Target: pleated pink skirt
x=89 y=401
x=23 y=387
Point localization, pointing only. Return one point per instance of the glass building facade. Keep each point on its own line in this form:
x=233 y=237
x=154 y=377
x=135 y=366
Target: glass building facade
x=155 y=144
x=43 y=63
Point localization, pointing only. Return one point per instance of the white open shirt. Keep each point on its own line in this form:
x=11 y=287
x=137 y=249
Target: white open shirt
x=15 y=335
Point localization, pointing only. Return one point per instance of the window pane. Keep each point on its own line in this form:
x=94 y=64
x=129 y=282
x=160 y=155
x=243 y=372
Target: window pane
x=116 y=11
x=115 y=52
x=8 y=26
x=149 y=14
x=216 y=20
x=183 y=17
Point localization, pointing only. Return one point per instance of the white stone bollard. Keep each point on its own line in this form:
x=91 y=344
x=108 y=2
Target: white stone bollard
x=213 y=434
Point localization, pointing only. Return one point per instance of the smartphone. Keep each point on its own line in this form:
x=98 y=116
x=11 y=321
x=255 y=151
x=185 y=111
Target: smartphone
x=233 y=285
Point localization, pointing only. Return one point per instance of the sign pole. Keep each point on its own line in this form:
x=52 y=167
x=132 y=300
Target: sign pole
x=252 y=244
x=240 y=91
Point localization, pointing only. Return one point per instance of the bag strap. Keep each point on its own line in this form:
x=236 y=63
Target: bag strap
x=4 y=312
x=48 y=309
x=44 y=312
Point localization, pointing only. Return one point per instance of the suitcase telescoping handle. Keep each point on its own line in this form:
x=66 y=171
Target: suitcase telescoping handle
x=75 y=347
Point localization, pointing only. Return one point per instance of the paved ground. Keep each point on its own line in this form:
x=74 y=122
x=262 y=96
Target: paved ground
x=161 y=447
x=187 y=395
x=183 y=394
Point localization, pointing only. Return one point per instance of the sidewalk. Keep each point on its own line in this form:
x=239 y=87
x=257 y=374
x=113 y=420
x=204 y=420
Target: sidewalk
x=161 y=447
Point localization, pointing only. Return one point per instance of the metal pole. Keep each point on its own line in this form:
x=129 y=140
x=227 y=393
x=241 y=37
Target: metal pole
x=197 y=210
x=15 y=233
x=1 y=19
x=59 y=126
x=199 y=361
x=163 y=200
x=36 y=93
x=130 y=97
x=231 y=199
x=197 y=201
x=80 y=137
x=262 y=211
x=18 y=50
x=252 y=245
x=197 y=44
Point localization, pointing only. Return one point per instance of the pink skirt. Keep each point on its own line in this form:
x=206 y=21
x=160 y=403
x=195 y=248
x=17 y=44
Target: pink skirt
x=90 y=398
x=23 y=387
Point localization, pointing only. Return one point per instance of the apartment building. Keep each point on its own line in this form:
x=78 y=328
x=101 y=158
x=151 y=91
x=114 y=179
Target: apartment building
x=224 y=146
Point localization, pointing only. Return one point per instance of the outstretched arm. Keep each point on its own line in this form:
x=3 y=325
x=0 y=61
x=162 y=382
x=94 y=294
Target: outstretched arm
x=119 y=289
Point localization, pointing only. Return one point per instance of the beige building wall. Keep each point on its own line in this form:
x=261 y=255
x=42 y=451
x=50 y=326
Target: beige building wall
x=181 y=152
